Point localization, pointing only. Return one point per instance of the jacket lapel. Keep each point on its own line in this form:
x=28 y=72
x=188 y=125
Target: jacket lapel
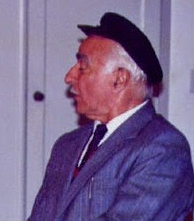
x=71 y=151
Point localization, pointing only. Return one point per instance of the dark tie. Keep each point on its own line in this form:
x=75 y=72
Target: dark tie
x=99 y=133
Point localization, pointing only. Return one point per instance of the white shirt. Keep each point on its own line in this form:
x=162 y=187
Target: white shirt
x=112 y=126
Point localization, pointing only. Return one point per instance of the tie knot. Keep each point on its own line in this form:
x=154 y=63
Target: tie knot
x=99 y=133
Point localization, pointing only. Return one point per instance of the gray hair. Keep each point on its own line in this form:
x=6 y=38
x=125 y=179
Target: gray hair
x=121 y=59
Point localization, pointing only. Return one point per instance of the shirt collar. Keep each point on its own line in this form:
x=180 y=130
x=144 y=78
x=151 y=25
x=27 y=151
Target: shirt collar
x=113 y=124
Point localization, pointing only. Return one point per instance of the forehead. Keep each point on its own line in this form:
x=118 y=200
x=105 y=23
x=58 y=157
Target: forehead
x=96 y=45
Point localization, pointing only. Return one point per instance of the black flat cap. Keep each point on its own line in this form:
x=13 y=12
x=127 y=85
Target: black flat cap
x=132 y=39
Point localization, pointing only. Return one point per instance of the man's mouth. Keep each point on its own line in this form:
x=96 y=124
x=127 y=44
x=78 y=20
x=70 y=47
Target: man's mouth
x=73 y=91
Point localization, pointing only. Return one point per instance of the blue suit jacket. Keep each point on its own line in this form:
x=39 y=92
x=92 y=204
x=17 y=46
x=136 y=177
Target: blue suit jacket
x=142 y=172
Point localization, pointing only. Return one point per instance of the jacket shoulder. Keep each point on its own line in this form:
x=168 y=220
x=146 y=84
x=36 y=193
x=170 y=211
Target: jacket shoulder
x=74 y=134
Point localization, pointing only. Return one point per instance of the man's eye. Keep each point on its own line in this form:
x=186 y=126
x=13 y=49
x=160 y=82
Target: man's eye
x=81 y=69
x=83 y=65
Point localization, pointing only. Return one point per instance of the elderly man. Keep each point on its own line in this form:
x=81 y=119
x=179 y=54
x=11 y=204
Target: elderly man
x=130 y=164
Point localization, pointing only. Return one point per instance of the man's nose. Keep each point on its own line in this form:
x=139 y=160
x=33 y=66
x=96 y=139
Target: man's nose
x=71 y=75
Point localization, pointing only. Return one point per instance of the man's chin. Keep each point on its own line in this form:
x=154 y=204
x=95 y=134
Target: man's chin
x=85 y=111
x=80 y=110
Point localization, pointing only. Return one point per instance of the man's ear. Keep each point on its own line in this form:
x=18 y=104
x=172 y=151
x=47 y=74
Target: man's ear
x=121 y=80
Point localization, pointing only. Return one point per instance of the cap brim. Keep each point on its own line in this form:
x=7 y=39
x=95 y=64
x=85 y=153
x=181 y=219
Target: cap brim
x=91 y=30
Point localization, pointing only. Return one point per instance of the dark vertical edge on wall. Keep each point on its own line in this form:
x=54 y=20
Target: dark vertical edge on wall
x=24 y=73
x=44 y=84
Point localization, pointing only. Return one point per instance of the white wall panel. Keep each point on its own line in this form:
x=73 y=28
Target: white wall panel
x=12 y=111
x=35 y=109
x=181 y=100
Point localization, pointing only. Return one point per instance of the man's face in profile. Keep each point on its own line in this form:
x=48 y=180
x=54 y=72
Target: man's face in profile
x=91 y=83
